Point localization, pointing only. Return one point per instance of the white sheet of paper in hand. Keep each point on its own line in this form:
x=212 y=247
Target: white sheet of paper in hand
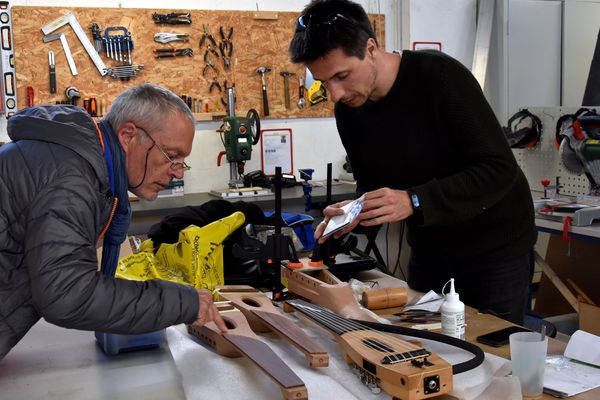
x=351 y=211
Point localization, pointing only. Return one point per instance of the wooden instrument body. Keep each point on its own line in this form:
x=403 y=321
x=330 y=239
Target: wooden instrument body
x=403 y=380
x=263 y=316
x=402 y=369
x=240 y=340
x=323 y=288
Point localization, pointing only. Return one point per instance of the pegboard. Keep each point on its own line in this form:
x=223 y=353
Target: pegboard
x=257 y=42
x=543 y=160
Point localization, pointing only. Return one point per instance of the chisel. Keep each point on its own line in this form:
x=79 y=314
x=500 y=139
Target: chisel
x=52 y=71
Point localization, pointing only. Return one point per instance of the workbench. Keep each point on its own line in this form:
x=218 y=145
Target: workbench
x=591 y=232
x=147 y=213
x=54 y=363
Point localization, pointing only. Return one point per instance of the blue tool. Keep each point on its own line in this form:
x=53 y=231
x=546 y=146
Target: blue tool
x=306 y=175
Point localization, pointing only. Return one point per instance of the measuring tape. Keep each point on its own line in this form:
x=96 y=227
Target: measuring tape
x=89 y=48
x=9 y=83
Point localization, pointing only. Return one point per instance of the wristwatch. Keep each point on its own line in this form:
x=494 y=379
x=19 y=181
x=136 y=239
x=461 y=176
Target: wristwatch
x=414 y=199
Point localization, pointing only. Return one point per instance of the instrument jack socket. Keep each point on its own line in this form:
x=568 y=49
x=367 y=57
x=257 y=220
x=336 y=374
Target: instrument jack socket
x=431 y=384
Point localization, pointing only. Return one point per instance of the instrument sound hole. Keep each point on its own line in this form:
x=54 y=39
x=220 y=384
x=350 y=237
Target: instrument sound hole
x=229 y=324
x=377 y=345
x=251 y=302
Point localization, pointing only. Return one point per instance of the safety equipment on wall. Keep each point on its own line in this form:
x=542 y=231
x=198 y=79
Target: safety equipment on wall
x=523 y=130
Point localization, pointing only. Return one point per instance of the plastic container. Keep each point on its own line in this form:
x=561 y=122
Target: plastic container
x=113 y=343
x=452 y=311
x=528 y=359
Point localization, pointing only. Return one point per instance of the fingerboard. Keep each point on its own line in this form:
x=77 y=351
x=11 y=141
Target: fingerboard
x=325 y=317
x=341 y=325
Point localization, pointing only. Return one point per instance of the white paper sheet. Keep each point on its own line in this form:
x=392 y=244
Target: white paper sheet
x=568 y=377
x=351 y=210
x=431 y=301
x=584 y=346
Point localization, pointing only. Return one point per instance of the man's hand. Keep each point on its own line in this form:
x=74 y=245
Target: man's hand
x=385 y=205
x=332 y=211
x=208 y=311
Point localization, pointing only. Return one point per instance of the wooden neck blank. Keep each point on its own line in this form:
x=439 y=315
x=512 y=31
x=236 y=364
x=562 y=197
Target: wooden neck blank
x=241 y=341
x=263 y=316
x=323 y=288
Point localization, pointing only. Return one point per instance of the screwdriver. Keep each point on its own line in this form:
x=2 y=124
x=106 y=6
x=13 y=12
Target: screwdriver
x=52 y=71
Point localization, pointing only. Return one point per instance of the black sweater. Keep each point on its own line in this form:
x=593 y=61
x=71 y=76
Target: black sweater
x=435 y=134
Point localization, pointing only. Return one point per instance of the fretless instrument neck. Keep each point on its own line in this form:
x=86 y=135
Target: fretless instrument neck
x=328 y=319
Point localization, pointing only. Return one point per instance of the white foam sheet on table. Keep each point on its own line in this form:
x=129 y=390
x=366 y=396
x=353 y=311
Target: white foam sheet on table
x=206 y=375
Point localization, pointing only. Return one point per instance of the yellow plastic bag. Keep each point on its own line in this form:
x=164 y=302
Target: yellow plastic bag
x=196 y=259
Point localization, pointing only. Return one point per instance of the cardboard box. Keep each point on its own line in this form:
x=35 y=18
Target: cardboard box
x=589 y=318
x=580 y=265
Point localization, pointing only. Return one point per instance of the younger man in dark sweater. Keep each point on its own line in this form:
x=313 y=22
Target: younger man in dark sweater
x=425 y=147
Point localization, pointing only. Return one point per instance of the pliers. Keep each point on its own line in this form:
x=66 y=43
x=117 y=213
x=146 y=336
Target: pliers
x=164 y=37
x=215 y=84
x=226 y=51
x=226 y=46
x=226 y=38
x=209 y=63
x=164 y=53
x=172 y=18
x=208 y=35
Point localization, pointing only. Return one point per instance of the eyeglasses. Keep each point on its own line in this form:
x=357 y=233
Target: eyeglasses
x=175 y=165
x=303 y=21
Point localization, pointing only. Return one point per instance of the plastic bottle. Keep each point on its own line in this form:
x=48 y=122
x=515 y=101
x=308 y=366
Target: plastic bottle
x=453 y=314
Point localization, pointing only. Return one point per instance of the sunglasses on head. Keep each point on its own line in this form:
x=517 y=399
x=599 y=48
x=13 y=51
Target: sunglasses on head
x=303 y=21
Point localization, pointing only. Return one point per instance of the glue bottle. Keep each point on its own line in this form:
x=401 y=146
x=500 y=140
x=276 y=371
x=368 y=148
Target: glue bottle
x=453 y=313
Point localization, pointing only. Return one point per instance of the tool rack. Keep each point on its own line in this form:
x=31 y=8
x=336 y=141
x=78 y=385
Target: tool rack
x=257 y=42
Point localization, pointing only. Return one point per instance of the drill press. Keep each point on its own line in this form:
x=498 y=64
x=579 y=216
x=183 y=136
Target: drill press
x=238 y=135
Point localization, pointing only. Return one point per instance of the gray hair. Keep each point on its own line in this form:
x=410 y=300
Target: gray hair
x=147 y=105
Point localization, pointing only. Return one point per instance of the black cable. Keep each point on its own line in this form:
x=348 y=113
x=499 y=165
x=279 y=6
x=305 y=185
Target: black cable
x=387 y=247
x=438 y=337
x=397 y=264
x=383 y=268
x=145 y=169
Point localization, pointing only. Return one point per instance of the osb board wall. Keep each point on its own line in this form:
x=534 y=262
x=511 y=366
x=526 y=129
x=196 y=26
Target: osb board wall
x=256 y=43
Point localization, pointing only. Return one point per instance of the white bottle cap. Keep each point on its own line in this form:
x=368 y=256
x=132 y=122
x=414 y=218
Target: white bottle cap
x=452 y=296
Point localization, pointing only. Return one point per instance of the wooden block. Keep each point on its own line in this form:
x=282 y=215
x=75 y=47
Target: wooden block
x=266 y=15
x=209 y=116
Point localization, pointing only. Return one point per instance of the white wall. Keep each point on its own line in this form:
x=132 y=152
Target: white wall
x=525 y=56
x=581 y=24
x=453 y=23
x=316 y=141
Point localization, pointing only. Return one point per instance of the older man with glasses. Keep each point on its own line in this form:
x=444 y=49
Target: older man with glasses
x=64 y=182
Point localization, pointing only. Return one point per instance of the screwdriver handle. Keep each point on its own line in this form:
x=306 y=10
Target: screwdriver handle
x=52 y=71
x=265 y=101
x=52 y=80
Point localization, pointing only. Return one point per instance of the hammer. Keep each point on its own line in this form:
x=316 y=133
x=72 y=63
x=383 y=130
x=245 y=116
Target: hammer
x=262 y=71
x=286 y=82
